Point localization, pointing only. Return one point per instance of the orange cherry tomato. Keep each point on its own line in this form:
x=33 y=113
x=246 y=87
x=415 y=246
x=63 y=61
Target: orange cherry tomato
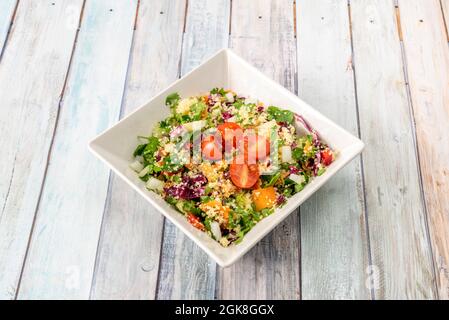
x=327 y=157
x=211 y=149
x=228 y=133
x=195 y=221
x=264 y=198
x=243 y=175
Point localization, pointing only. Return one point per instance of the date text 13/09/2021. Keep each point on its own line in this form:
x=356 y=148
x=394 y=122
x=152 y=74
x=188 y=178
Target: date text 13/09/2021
x=225 y=310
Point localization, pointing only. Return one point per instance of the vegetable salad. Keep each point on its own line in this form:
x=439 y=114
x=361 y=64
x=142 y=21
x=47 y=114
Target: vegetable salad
x=226 y=161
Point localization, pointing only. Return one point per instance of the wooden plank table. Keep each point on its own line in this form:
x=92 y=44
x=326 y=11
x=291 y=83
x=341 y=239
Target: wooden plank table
x=71 y=68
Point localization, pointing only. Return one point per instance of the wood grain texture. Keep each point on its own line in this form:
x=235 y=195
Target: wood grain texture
x=263 y=33
x=32 y=74
x=334 y=253
x=427 y=54
x=401 y=255
x=129 y=249
x=186 y=271
x=63 y=246
x=6 y=14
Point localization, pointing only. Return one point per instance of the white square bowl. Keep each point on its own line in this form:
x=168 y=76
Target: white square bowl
x=225 y=69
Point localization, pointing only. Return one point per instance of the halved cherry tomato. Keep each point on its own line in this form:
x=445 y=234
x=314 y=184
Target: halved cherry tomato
x=257 y=184
x=327 y=157
x=195 y=221
x=264 y=198
x=227 y=132
x=243 y=175
x=256 y=148
x=211 y=148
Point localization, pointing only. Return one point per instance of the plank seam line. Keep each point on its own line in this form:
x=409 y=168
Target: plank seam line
x=61 y=97
x=445 y=21
x=230 y=20
x=294 y=19
x=100 y=236
x=158 y=280
x=182 y=42
x=9 y=187
x=136 y=17
x=164 y=220
x=185 y=17
x=296 y=89
x=362 y=168
x=109 y=187
x=398 y=21
x=8 y=33
x=417 y=155
x=217 y=284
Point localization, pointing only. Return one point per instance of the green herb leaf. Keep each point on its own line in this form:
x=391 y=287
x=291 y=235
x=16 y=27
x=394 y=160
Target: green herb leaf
x=238 y=103
x=171 y=200
x=321 y=171
x=197 y=110
x=139 y=150
x=205 y=199
x=280 y=115
x=299 y=187
x=152 y=146
x=297 y=153
x=218 y=91
x=172 y=100
x=273 y=179
x=207 y=222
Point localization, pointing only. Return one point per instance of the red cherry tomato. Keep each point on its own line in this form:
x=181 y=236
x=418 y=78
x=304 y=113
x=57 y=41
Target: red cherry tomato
x=227 y=132
x=211 y=148
x=243 y=175
x=256 y=148
x=195 y=221
x=327 y=157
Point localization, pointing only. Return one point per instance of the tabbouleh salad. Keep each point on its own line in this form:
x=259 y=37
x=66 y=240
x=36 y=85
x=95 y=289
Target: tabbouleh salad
x=225 y=161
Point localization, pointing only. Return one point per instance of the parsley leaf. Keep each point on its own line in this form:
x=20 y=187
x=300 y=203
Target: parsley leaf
x=197 y=110
x=218 y=91
x=297 y=153
x=152 y=146
x=269 y=181
x=280 y=115
x=139 y=150
x=172 y=100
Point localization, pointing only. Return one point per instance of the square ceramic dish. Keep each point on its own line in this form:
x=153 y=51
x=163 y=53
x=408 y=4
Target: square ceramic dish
x=225 y=69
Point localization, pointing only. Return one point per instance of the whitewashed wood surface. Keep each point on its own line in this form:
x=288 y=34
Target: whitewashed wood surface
x=71 y=68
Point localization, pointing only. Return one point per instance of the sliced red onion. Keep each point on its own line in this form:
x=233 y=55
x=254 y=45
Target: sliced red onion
x=301 y=125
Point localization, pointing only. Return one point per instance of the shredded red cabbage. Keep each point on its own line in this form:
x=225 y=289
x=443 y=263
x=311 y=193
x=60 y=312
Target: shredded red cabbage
x=280 y=199
x=226 y=115
x=189 y=188
x=294 y=170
